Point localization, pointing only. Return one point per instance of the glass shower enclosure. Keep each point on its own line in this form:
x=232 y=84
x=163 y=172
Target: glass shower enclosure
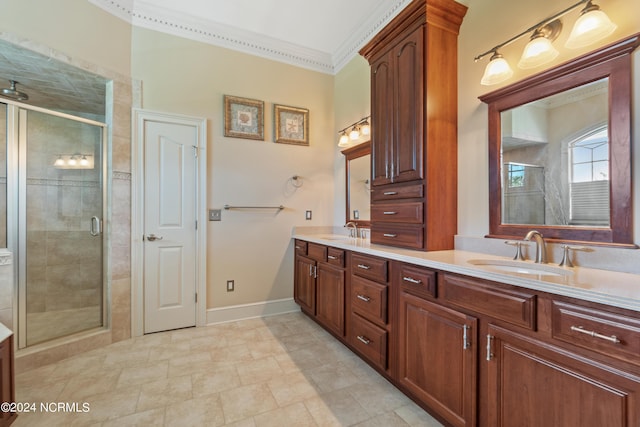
x=57 y=202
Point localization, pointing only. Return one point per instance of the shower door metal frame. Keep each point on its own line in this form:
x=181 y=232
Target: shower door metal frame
x=16 y=209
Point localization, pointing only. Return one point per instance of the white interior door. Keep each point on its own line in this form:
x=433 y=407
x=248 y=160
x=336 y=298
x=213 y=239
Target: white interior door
x=170 y=221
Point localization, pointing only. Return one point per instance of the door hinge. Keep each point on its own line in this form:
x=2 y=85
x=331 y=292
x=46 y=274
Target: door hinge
x=196 y=297
x=195 y=151
x=196 y=224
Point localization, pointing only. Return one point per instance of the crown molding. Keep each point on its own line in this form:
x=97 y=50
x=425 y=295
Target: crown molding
x=142 y=14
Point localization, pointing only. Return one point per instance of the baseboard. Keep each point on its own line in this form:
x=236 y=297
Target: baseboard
x=249 y=311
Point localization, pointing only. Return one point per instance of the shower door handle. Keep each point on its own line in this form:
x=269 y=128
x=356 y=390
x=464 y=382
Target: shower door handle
x=95 y=228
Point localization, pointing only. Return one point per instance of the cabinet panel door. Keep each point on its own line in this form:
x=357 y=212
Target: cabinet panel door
x=437 y=358
x=330 y=298
x=408 y=141
x=537 y=385
x=381 y=120
x=304 y=287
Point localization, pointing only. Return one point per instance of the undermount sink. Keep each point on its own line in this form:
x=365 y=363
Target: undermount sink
x=522 y=267
x=335 y=237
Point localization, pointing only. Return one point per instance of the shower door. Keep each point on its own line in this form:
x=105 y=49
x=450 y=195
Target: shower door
x=60 y=240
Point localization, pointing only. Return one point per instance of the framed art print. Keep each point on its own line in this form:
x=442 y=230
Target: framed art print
x=291 y=125
x=243 y=118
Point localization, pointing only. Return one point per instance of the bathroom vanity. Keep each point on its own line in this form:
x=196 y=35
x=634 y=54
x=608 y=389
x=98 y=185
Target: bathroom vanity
x=480 y=340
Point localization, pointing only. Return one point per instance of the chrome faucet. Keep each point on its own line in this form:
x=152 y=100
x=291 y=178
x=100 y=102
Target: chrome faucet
x=541 y=248
x=353 y=229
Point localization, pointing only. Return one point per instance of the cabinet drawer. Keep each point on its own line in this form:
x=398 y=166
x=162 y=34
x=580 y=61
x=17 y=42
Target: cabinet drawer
x=317 y=252
x=412 y=191
x=600 y=331
x=369 y=299
x=369 y=339
x=335 y=257
x=300 y=247
x=370 y=267
x=406 y=237
x=416 y=280
x=410 y=213
x=512 y=306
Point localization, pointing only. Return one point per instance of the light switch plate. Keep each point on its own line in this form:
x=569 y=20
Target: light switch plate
x=307 y=215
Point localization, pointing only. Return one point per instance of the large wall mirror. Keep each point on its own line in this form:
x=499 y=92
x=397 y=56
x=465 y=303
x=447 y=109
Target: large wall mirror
x=560 y=151
x=358 y=184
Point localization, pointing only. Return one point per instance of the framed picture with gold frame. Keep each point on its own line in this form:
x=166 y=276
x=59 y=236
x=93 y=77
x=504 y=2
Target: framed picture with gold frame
x=291 y=125
x=243 y=118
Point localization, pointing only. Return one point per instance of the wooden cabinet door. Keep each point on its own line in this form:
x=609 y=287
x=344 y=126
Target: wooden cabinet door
x=408 y=138
x=304 y=286
x=330 y=297
x=534 y=384
x=7 y=390
x=437 y=358
x=381 y=120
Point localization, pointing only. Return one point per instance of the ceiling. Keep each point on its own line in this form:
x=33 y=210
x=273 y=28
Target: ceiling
x=317 y=35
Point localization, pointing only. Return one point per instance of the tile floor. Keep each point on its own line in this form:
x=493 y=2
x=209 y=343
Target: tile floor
x=277 y=371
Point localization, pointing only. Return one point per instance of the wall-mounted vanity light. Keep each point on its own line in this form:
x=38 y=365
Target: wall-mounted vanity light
x=357 y=129
x=592 y=25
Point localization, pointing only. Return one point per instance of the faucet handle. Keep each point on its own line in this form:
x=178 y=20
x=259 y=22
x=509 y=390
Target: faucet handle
x=566 y=259
x=518 y=244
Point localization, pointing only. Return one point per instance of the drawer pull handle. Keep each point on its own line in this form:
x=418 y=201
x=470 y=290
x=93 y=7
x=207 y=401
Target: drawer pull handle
x=298 y=247
x=363 y=298
x=412 y=280
x=489 y=345
x=363 y=339
x=364 y=267
x=390 y=213
x=390 y=193
x=390 y=235
x=594 y=334
x=332 y=257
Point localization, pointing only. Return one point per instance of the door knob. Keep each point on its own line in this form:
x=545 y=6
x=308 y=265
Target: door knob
x=153 y=237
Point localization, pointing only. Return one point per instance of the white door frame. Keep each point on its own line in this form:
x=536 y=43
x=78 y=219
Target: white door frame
x=137 y=214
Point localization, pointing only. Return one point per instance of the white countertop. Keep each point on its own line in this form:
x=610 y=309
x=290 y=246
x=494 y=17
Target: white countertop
x=601 y=286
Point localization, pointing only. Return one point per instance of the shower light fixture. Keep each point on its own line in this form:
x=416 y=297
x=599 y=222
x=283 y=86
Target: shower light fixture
x=593 y=25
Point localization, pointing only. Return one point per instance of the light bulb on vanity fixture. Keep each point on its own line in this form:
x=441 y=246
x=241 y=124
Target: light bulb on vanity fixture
x=539 y=50
x=358 y=129
x=593 y=25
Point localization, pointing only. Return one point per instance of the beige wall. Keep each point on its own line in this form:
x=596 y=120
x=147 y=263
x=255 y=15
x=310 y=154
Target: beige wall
x=253 y=248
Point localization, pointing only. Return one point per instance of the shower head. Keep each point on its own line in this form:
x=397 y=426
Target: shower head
x=13 y=93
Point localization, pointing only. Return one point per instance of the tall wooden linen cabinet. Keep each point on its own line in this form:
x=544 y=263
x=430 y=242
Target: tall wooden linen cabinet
x=414 y=76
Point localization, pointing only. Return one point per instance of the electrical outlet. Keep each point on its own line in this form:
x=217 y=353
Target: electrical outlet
x=215 y=214
x=307 y=215
x=230 y=285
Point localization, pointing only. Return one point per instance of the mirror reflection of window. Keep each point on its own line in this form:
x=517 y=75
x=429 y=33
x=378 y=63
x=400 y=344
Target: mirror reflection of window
x=590 y=178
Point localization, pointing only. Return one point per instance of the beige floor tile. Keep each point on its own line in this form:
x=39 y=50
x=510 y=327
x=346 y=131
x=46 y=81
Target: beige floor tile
x=143 y=374
x=292 y=388
x=164 y=392
x=336 y=408
x=332 y=377
x=293 y=415
x=203 y=411
x=214 y=381
x=259 y=371
x=153 y=417
x=247 y=401
x=82 y=386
